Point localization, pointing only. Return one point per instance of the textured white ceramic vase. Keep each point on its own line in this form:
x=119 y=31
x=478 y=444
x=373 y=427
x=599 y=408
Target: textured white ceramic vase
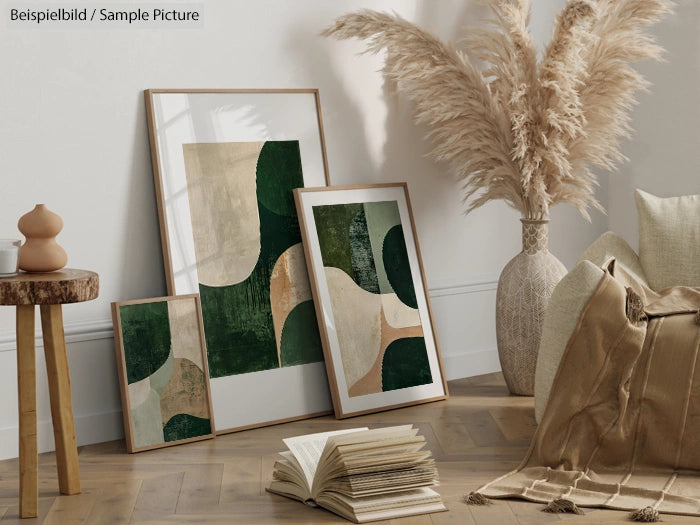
x=524 y=288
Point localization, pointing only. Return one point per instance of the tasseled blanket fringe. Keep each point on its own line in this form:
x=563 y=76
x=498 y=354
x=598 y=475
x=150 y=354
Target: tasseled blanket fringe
x=474 y=498
x=645 y=515
x=562 y=505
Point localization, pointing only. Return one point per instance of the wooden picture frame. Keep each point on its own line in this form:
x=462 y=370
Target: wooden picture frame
x=225 y=163
x=163 y=374
x=371 y=300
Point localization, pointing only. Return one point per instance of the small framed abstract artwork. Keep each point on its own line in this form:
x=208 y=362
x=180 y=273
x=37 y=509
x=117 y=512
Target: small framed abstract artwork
x=226 y=163
x=371 y=300
x=163 y=374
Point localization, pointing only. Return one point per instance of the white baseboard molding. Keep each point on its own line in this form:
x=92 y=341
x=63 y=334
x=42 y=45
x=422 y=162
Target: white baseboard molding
x=75 y=331
x=466 y=340
x=470 y=364
x=89 y=429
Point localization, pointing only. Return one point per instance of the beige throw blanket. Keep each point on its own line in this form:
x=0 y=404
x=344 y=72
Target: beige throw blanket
x=622 y=425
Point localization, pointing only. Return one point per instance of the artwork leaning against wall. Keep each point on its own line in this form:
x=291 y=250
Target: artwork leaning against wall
x=226 y=163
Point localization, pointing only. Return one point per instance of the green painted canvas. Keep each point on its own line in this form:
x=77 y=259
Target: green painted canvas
x=256 y=298
x=370 y=284
x=166 y=381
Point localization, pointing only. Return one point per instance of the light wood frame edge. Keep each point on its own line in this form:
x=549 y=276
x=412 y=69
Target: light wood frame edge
x=121 y=371
x=320 y=316
x=162 y=220
x=156 y=160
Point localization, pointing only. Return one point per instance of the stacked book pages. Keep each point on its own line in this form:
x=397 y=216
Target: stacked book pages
x=360 y=474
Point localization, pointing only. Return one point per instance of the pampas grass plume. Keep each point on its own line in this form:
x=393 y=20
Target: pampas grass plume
x=520 y=130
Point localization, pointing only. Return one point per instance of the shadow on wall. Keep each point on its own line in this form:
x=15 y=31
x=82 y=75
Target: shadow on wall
x=434 y=187
x=142 y=273
x=663 y=150
x=371 y=138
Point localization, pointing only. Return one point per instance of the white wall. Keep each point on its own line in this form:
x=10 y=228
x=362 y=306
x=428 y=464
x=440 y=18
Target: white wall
x=665 y=151
x=73 y=136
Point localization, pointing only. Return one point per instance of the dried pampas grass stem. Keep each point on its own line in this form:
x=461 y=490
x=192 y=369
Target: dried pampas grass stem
x=525 y=132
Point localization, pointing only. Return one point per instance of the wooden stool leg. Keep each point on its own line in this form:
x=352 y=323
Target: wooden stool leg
x=61 y=402
x=26 y=386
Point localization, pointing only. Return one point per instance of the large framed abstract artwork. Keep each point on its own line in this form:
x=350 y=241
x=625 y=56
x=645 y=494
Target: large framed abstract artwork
x=372 y=305
x=162 y=368
x=226 y=163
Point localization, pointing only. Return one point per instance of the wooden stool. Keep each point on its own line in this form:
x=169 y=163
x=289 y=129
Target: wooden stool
x=49 y=291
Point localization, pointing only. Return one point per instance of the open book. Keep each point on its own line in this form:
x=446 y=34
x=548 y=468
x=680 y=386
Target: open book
x=360 y=474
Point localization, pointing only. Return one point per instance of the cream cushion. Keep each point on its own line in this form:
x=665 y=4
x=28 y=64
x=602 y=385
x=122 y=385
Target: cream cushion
x=669 y=239
x=561 y=317
x=610 y=245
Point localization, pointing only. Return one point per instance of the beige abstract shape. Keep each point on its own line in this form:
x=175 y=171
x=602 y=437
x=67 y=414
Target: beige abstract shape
x=224 y=209
x=185 y=341
x=357 y=314
x=185 y=393
x=289 y=286
x=371 y=383
x=139 y=391
x=397 y=314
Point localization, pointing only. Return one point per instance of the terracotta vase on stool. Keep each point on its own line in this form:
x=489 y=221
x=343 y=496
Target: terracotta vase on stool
x=41 y=252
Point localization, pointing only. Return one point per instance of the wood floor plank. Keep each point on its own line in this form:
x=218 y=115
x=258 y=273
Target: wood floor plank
x=454 y=436
x=11 y=517
x=616 y=517
x=497 y=513
x=73 y=510
x=483 y=429
x=201 y=488
x=115 y=503
x=457 y=512
x=242 y=479
x=158 y=497
x=480 y=433
x=412 y=520
x=516 y=423
x=528 y=513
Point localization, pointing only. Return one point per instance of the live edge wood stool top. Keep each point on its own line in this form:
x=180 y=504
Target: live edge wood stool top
x=60 y=287
x=49 y=291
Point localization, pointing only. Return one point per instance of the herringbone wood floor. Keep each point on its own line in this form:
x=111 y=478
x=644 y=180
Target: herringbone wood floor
x=478 y=434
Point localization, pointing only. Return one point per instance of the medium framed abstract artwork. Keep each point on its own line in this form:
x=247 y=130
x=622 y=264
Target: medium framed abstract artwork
x=372 y=306
x=226 y=163
x=163 y=374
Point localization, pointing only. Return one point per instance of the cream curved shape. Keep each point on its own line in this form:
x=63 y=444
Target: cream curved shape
x=139 y=392
x=289 y=287
x=224 y=209
x=352 y=307
x=185 y=338
x=397 y=314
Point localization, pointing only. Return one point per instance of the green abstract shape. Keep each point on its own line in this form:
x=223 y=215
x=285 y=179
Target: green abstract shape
x=381 y=217
x=237 y=319
x=146 y=421
x=333 y=229
x=278 y=172
x=185 y=426
x=161 y=377
x=406 y=364
x=363 y=271
x=146 y=338
x=398 y=269
x=301 y=344
x=238 y=323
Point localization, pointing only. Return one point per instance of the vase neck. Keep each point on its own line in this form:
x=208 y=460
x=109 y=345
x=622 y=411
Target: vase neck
x=535 y=234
